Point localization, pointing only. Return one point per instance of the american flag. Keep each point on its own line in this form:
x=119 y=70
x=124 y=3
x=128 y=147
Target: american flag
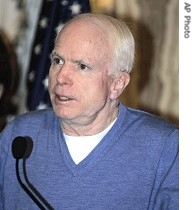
x=52 y=14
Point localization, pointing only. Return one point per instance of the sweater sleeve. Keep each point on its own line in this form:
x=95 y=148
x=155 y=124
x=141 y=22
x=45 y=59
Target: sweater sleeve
x=165 y=194
x=5 y=135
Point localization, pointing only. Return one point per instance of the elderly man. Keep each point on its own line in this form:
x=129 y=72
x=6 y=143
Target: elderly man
x=89 y=150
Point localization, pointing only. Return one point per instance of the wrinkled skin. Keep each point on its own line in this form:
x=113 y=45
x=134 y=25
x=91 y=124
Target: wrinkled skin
x=83 y=94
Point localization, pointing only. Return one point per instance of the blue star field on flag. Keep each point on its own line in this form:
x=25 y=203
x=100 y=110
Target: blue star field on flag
x=52 y=14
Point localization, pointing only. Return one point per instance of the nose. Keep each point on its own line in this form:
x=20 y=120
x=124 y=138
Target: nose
x=64 y=75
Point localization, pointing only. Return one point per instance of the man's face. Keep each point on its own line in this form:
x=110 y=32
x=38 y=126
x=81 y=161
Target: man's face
x=79 y=83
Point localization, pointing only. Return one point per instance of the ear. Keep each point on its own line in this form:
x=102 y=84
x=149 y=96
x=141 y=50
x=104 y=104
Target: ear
x=118 y=85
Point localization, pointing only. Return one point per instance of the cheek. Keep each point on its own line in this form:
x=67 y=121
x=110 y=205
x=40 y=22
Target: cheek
x=96 y=91
x=52 y=75
x=51 y=79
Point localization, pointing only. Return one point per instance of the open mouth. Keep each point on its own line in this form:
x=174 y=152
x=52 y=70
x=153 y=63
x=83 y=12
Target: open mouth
x=63 y=98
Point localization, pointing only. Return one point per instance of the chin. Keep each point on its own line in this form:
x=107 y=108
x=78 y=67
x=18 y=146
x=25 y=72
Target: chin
x=62 y=112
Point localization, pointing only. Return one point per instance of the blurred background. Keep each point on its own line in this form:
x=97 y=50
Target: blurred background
x=27 y=31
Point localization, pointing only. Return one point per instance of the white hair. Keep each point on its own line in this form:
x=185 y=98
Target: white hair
x=118 y=35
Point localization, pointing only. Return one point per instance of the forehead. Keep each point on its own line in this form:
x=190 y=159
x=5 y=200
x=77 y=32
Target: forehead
x=82 y=31
x=84 y=41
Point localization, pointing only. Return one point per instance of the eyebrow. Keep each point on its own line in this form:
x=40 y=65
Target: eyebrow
x=56 y=54
x=79 y=61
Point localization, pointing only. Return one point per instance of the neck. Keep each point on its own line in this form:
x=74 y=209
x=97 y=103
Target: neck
x=93 y=126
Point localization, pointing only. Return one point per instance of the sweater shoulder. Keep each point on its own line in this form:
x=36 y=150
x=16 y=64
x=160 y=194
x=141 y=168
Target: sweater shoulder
x=143 y=125
x=147 y=120
x=34 y=117
x=30 y=123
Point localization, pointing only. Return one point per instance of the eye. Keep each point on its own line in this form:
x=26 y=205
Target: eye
x=56 y=60
x=82 y=66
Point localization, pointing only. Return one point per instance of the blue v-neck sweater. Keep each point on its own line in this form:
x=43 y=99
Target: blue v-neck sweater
x=135 y=166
